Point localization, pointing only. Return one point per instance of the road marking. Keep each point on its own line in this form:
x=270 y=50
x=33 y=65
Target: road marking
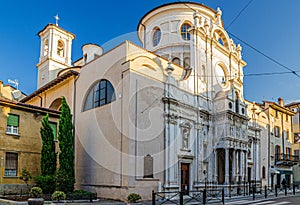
x=239 y=202
x=264 y=202
x=272 y=202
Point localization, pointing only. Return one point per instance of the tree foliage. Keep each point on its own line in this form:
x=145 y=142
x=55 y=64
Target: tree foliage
x=66 y=176
x=48 y=156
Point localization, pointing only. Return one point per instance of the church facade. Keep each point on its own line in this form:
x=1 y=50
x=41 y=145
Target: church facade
x=168 y=115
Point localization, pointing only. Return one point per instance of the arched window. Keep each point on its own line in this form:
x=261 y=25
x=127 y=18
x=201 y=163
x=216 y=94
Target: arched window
x=184 y=32
x=176 y=61
x=46 y=47
x=156 y=36
x=263 y=172
x=101 y=94
x=186 y=63
x=60 y=48
x=237 y=102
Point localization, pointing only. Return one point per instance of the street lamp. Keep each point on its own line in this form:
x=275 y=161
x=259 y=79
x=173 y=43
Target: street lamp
x=204 y=172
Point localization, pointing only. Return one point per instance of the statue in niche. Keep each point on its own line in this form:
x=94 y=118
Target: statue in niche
x=231 y=130
x=185 y=138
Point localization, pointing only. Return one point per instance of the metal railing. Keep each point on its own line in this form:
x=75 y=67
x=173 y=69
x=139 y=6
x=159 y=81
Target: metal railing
x=220 y=193
x=195 y=196
x=286 y=157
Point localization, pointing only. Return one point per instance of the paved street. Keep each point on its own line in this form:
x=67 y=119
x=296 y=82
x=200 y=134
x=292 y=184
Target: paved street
x=275 y=201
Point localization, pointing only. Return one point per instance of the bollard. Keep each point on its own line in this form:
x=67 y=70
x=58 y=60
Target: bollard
x=223 y=196
x=91 y=197
x=266 y=191
x=204 y=196
x=276 y=191
x=153 y=198
x=253 y=192
x=285 y=190
x=181 y=198
x=294 y=189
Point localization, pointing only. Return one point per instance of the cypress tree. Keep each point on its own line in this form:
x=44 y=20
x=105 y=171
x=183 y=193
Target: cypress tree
x=66 y=176
x=48 y=156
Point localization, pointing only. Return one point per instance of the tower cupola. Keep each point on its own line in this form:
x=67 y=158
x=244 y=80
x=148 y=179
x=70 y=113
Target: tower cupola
x=55 y=52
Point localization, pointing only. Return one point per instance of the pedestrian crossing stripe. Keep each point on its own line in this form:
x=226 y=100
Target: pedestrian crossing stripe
x=271 y=203
x=239 y=202
x=250 y=202
x=264 y=202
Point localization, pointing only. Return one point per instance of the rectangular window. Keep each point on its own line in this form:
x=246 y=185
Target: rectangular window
x=53 y=126
x=11 y=164
x=296 y=153
x=277 y=131
x=288 y=153
x=12 y=124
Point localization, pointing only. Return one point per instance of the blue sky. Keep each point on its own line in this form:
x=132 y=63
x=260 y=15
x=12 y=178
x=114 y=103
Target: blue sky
x=273 y=27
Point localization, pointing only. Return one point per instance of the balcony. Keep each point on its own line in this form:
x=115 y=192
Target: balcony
x=286 y=159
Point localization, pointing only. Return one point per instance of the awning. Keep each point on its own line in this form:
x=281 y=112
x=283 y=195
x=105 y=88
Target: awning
x=274 y=171
x=285 y=172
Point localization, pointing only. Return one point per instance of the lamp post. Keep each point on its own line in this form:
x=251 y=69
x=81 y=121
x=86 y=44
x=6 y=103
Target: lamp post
x=254 y=141
x=205 y=179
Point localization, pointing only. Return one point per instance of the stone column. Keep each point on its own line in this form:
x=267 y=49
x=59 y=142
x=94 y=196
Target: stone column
x=246 y=165
x=215 y=166
x=233 y=165
x=226 y=165
x=241 y=170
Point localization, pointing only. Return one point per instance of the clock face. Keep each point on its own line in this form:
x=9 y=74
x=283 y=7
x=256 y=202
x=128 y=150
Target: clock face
x=220 y=75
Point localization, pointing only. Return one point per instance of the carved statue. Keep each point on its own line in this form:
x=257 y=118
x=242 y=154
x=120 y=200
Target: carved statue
x=185 y=138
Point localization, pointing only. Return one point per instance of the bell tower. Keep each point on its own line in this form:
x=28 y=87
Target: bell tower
x=55 y=52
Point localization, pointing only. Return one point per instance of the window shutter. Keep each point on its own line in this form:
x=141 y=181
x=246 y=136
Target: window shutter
x=53 y=126
x=11 y=161
x=13 y=120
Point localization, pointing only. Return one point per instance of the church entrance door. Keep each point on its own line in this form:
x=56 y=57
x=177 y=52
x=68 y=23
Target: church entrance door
x=185 y=178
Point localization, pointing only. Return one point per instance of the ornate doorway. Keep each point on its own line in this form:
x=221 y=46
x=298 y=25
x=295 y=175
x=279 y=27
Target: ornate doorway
x=221 y=166
x=185 y=178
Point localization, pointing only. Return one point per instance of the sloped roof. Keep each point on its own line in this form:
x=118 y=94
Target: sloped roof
x=52 y=83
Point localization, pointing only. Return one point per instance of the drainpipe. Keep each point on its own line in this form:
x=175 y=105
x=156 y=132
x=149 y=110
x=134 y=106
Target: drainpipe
x=144 y=38
x=282 y=135
x=74 y=130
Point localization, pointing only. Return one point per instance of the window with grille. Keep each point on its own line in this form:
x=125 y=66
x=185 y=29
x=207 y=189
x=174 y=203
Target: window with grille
x=184 y=32
x=12 y=124
x=11 y=164
x=101 y=94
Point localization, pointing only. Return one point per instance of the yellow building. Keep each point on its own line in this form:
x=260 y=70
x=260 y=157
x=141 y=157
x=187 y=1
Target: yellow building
x=295 y=106
x=20 y=142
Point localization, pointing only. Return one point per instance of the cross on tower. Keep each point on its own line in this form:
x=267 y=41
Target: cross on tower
x=56 y=18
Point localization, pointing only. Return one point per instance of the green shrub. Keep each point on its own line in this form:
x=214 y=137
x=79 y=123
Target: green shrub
x=25 y=176
x=58 y=196
x=133 y=198
x=81 y=194
x=36 y=192
x=47 y=183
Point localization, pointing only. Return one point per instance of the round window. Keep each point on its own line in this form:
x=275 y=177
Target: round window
x=220 y=75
